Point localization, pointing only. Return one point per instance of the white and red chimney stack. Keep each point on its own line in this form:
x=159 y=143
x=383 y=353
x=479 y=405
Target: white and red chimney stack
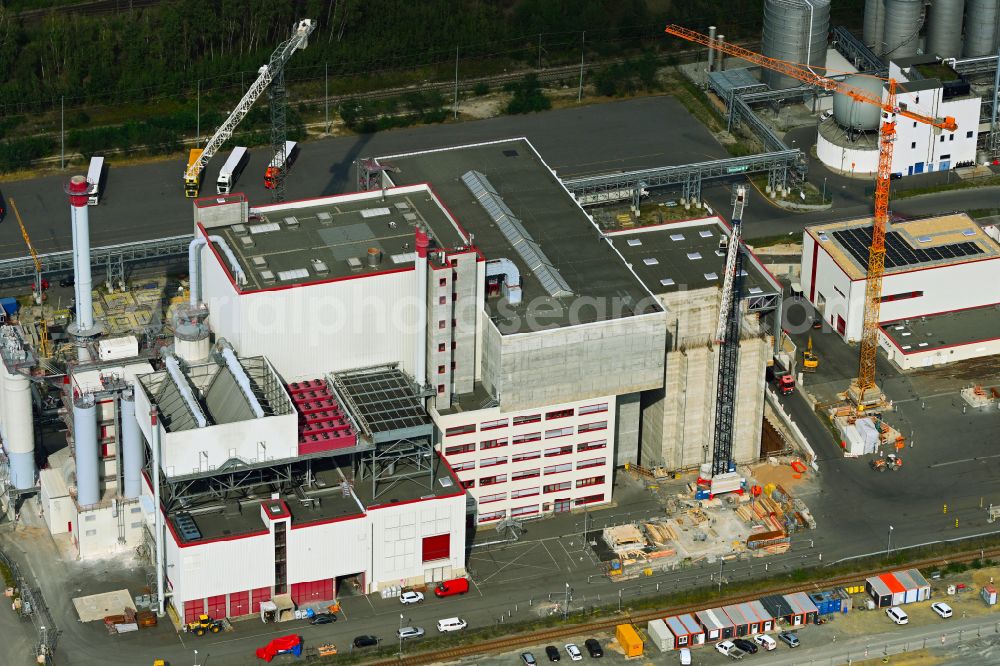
x=422 y=243
x=78 y=191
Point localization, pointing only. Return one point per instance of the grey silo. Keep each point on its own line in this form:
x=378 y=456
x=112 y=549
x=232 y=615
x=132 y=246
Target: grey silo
x=795 y=30
x=944 y=28
x=902 y=27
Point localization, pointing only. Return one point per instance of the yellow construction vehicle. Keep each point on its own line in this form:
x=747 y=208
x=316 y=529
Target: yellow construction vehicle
x=809 y=360
x=203 y=625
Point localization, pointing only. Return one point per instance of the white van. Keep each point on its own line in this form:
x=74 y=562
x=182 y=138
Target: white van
x=451 y=624
x=765 y=642
x=94 y=177
x=897 y=615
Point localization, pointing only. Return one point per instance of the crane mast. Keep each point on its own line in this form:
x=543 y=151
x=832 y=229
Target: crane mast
x=863 y=391
x=274 y=69
x=31 y=249
x=727 y=337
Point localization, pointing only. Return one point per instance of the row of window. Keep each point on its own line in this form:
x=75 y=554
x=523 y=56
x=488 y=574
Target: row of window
x=485 y=445
x=521 y=420
x=901 y=297
x=531 y=509
x=523 y=474
x=519 y=457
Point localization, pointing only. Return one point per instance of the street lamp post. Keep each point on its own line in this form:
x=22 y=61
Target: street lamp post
x=195 y=658
x=566 y=603
x=888 y=543
x=400 y=634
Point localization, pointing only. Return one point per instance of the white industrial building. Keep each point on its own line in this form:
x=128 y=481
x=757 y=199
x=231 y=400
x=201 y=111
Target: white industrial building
x=935 y=269
x=848 y=141
x=458 y=345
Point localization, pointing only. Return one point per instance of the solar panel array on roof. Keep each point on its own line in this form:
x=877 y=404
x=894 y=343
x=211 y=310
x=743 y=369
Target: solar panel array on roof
x=515 y=233
x=382 y=398
x=898 y=252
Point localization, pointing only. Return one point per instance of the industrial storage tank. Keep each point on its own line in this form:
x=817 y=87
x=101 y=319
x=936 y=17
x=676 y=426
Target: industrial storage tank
x=19 y=428
x=852 y=114
x=795 y=30
x=944 y=29
x=874 y=25
x=902 y=27
x=981 y=27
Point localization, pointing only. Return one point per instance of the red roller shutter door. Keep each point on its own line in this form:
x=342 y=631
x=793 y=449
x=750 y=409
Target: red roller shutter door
x=437 y=547
x=217 y=607
x=312 y=591
x=239 y=603
x=257 y=596
x=192 y=609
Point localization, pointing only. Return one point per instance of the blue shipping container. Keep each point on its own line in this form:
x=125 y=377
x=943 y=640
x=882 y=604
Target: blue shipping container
x=828 y=601
x=10 y=306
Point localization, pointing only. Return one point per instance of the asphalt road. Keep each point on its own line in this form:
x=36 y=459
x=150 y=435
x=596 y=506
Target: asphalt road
x=146 y=201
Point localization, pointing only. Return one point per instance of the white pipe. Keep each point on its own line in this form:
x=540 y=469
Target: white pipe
x=174 y=370
x=512 y=277
x=241 y=377
x=194 y=264
x=131 y=448
x=154 y=432
x=84 y=281
x=88 y=477
x=711 y=51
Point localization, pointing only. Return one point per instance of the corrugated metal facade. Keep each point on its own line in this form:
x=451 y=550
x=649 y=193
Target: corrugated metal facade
x=318 y=328
x=325 y=551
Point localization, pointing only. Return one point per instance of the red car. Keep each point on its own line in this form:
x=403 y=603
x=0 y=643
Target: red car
x=291 y=644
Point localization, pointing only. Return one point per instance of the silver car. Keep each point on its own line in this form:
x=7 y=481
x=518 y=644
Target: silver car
x=410 y=632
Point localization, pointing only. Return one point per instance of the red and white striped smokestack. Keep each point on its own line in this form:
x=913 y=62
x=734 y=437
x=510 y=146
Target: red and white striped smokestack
x=78 y=191
x=422 y=242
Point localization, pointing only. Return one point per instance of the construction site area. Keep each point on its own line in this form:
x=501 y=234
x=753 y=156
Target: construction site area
x=693 y=530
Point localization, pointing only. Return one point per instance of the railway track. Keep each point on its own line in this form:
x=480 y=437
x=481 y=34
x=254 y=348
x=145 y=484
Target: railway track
x=515 y=641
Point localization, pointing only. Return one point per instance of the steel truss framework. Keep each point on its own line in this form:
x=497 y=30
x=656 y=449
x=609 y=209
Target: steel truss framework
x=113 y=257
x=857 y=52
x=604 y=189
x=404 y=459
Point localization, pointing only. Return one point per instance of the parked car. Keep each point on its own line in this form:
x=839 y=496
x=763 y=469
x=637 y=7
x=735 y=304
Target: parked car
x=450 y=587
x=411 y=597
x=765 y=641
x=528 y=659
x=897 y=615
x=942 y=609
x=410 y=632
x=323 y=618
x=552 y=652
x=67 y=281
x=452 y=624
x=725 y=647
x=365 y=641
x=826 y=114
x=789 y=639
x=685 y=655
x=745 y=645
x=574 y=652
x=594 y=648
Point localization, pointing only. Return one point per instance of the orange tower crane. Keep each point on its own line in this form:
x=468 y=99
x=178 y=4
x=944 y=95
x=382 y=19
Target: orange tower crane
x=863 y=392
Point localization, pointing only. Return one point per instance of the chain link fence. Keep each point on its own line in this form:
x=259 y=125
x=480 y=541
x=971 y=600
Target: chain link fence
x=27 y=602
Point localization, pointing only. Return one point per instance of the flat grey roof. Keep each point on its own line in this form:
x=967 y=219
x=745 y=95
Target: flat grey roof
x=282 y=245
x=561 y=229
x=674 y=257
x=964 y=327
x=212 y=520
x=731 y=79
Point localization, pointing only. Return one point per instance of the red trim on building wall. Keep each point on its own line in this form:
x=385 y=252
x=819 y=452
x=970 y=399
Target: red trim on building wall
x=936 y=314
x=327 y=521
x=812 y=278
